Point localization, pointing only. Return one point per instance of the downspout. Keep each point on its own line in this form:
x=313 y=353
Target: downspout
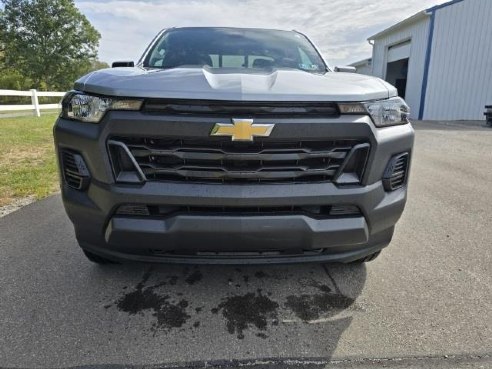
x=428 y=53
x=372 y=55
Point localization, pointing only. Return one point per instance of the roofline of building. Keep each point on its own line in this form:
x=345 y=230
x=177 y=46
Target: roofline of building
x=444 y=5
x=360 y=62
x=414 y=18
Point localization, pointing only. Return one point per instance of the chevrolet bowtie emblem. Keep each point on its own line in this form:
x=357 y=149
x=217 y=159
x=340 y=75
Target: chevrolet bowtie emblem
x=242 y=130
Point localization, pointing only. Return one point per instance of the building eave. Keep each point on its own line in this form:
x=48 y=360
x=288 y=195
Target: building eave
x=444 y=5
x=361 y=62
x=406 y=22
x=414 y=18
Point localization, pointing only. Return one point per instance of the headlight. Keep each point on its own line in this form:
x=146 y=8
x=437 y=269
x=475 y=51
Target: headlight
x=388 y=112
x=384 y=113
x=88 y=108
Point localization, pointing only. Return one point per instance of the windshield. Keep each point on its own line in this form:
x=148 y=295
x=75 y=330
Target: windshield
x=234 y=48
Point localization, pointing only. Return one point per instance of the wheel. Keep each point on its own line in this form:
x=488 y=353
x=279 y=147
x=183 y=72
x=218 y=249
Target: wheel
x=97 y=259
x=367 y=258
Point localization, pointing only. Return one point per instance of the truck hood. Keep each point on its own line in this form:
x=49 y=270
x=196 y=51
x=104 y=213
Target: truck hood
x=243 y=85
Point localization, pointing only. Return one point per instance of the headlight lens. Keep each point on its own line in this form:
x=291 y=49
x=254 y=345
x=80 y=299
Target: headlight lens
x=384 y=113
x=389 y=112
x=88 y=108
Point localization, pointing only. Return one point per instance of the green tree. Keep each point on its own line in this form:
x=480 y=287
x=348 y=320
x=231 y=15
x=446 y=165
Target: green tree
x=47 y=42
x=97 y=64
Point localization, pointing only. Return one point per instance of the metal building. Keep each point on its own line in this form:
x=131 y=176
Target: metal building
x=440 y=60
x=363 y=66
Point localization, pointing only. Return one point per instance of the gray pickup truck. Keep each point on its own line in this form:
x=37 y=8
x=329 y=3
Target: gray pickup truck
x=227 y=145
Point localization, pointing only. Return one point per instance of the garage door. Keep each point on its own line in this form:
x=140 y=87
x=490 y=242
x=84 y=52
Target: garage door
x=399 y=51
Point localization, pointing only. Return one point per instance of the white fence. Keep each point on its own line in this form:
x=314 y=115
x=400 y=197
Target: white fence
x=35 y=106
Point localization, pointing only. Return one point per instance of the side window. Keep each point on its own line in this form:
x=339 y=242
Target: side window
x=305 y=61
x=215 y=60
x=157 y=57
x=260 y=61
x=233 y=61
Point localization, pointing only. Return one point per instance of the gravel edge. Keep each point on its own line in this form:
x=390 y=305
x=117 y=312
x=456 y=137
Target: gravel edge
x=16 y=205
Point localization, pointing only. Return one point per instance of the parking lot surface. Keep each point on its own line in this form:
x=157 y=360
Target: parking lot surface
x=425 y=302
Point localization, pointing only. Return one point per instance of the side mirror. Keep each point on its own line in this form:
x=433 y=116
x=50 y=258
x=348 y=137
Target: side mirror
x=118 y=64
x=346 y=69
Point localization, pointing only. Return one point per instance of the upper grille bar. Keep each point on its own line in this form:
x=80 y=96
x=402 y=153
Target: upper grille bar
x=208 y=153
x=241 y=108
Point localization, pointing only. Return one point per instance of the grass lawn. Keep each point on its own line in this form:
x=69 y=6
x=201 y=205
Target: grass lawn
x=27 y=158
x=28 y=112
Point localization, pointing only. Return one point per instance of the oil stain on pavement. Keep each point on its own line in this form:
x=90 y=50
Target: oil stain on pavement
x=244 y=311
x=249 y=310
x=194 y=277
x=309 y=307
x=168 y=313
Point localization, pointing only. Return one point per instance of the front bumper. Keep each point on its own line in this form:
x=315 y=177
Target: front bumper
x=230 y=239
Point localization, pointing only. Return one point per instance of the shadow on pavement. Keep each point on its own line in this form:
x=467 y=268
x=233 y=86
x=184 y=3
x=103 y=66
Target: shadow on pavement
x=458 y=125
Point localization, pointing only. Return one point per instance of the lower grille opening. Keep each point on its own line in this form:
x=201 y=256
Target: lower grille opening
x=235 y=254
x=313 y=211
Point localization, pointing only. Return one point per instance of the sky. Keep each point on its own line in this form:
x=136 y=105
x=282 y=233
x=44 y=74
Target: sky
x=339 y=28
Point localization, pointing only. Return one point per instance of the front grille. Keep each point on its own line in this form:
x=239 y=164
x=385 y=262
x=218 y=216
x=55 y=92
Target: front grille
x=220 y=160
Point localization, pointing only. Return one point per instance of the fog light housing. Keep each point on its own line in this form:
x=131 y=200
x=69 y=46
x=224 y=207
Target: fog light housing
x=74 y=169
x=396 y=173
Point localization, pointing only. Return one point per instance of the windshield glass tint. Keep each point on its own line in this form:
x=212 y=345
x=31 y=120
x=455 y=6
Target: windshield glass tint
x=234 y=48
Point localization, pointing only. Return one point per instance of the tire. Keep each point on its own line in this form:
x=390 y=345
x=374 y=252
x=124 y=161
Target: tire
x=367 y=258
x=97 y=259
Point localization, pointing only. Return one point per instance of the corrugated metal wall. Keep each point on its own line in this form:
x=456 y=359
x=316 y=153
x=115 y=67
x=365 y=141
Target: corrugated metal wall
x=418 y=33
x=365 y=69
x=460 y=74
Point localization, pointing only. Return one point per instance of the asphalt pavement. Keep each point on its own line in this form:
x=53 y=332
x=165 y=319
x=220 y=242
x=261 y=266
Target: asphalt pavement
x=426 y=302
